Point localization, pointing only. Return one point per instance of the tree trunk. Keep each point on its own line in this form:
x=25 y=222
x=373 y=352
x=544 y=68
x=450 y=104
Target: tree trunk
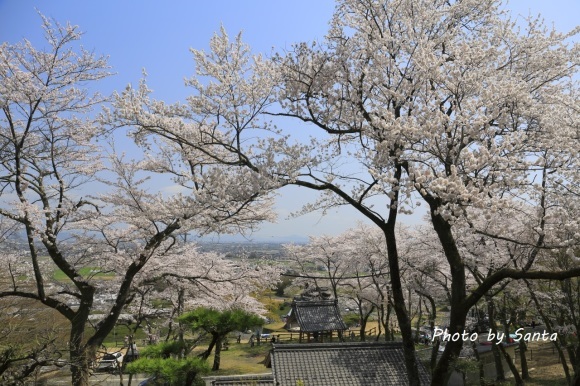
x=380 y=324
x=364 y=319
x=217 y=355
x=79 y=368
x=548 y=324
x=572 y=351
x=419 y=319
x=81 y=354
x=363 y=325
x=399 y=306
x=434 y=355
x=516 y=374
x=458 y=313
x=564 y=363
x=388 y=329
x=499 y=371
x=432 y=316
x=384 y=318
x=479 y=364
x=523 y=360
x=204 y=355
x=180 y=305
x=189 y=379
x=81 y=358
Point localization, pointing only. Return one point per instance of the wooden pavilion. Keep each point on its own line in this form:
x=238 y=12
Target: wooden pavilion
x=315 y=319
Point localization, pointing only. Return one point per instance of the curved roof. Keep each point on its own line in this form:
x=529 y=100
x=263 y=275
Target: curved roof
x=317 y=315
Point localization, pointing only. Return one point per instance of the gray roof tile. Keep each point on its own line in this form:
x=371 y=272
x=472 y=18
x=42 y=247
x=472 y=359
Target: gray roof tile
x=318 y=315
x=348 y=364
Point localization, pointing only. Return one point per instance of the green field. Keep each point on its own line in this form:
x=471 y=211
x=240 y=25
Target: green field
x=85 y=272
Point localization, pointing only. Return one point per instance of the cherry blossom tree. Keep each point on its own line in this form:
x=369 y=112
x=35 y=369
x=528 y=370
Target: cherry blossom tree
x=328 y=257
x=370 y=251
x=342 y=263
x=51 y=165
x=448 y=102
x=189 y=279
x=47 y=152
x=408 y=102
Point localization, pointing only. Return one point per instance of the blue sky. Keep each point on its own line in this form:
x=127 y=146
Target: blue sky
x=157 y=36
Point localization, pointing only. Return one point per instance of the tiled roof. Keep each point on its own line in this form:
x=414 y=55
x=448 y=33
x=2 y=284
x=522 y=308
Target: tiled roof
x=241 y=380
x=318 y=315
x=343 y=364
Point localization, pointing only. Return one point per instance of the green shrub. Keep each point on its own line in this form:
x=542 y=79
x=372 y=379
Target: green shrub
x=176 y=371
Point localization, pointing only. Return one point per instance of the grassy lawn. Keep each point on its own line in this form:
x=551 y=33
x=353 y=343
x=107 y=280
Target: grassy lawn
x=240 y=358
x=85 y=272
x=116 y=337
x=545 y=367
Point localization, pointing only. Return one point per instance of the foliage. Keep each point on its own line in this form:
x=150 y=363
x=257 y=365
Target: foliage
x=177 y=371
x=284 y=283
x=219 y=324
x=351 y=319
x=163 y=350
x=190 y=279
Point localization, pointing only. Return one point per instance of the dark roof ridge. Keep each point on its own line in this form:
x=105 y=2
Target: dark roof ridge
x=319 y=301
x=338 y=345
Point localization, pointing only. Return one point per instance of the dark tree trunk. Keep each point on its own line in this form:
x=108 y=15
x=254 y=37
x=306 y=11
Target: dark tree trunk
x=362 y=329
x=217 y=355
x=398 y=292
x=548 y=325
x=523 y=360
x=364 y=318
x=434 y=355
x=419 y=319
x=479 y=364
x=380 y=325
x=388 y=330
x=79 y=367
x=564 y=363
x=437 y=343
x=458 y=313
x=204 y=355
x=514 y=370
x=81 y=357
x=82 y=353
x=180 y=305
x=499 y=371
x=399 y=306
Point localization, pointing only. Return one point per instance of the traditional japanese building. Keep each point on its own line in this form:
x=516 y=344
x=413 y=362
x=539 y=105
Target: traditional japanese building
x=341 y=364
x=316 y=320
